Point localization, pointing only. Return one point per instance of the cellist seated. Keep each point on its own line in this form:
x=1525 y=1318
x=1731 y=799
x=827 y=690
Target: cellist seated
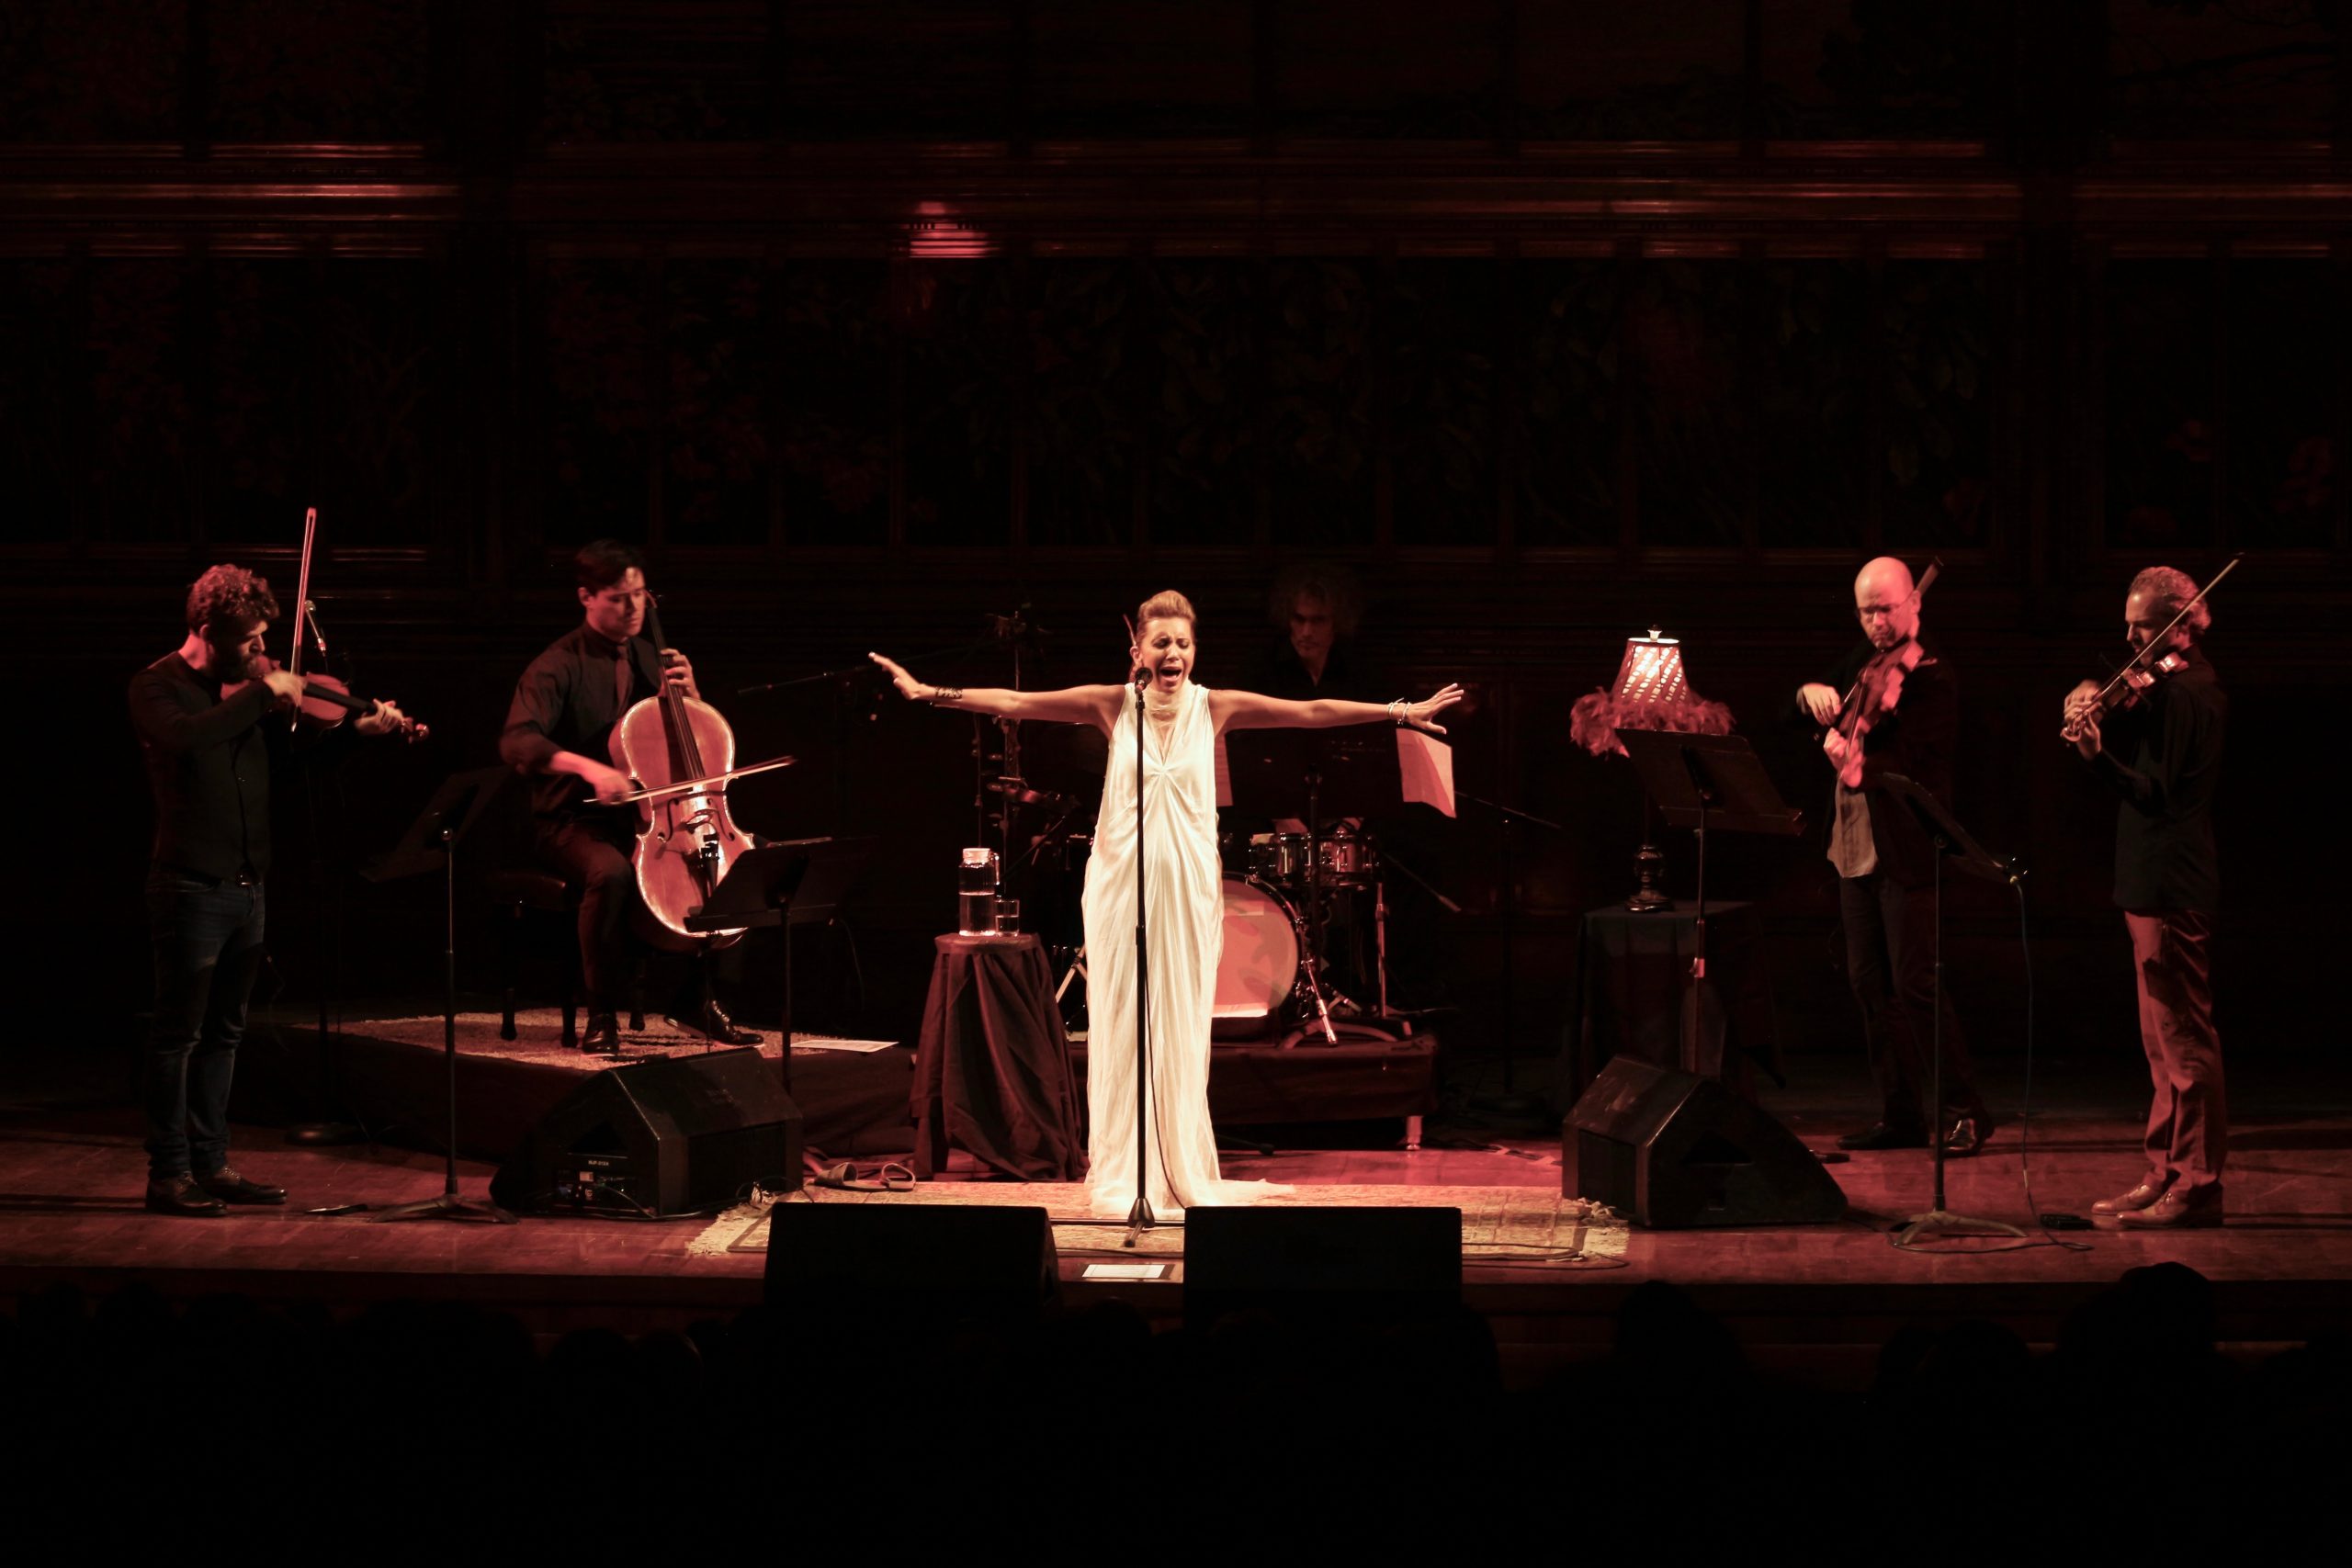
x=558 y=729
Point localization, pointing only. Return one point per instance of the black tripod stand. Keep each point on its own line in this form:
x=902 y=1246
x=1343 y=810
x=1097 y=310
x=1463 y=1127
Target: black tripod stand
x=1703 y=782
x=1952 y=842
x=431 y=844
x=1510 y=1103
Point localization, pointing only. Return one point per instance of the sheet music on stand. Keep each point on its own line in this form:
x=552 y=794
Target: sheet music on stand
x=1360 y=770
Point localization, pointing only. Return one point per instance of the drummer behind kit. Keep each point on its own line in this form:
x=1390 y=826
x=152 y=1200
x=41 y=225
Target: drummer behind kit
x=1280 y=890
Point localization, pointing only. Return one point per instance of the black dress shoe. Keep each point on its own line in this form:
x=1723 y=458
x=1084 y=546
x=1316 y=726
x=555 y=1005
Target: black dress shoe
x=180 y=1195
x=604 y=1036
x=230 y=1188
x=713 y=1023
x=1886 y=1135
x=1966 y=1134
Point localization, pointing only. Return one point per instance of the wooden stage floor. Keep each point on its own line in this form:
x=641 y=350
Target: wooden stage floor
x=71 y=1179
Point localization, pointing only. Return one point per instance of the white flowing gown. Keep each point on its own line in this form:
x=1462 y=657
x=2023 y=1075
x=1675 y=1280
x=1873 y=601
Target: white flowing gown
x=1184 y=899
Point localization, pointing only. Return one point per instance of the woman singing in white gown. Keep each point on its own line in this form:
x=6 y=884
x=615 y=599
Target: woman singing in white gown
x=1184 y=889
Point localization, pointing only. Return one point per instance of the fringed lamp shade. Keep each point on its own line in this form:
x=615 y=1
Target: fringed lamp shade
x=1652 y=670
x=1651 y=693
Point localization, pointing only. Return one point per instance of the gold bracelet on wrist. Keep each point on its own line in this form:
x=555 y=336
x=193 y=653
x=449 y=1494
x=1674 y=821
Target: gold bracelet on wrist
x=942 y=695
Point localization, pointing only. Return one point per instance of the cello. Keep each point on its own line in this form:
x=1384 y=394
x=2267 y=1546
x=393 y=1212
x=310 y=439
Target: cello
x=680 y=754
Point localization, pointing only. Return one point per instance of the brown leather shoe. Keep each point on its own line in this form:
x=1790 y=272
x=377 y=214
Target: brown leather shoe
x=1966 y=1134
x=180 y=1195
x=2173 y=1212
x=2140 y=1196
x=230 y=1188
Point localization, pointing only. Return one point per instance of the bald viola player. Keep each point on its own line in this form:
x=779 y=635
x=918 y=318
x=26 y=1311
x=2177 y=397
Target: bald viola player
x=1885 y=874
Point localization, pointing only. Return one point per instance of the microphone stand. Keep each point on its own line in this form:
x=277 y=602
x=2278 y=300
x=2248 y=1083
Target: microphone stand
x=1140 y=1218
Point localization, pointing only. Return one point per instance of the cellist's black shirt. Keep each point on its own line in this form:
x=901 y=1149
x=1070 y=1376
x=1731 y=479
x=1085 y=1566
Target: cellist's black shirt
x=2163 y=756
x=568 y=701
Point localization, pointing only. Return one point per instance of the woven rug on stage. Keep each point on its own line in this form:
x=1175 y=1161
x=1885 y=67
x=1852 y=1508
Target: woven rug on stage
x=538 y=1037
x=1499 y=1225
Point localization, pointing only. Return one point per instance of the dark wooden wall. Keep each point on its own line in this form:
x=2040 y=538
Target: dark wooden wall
x=1557 y=321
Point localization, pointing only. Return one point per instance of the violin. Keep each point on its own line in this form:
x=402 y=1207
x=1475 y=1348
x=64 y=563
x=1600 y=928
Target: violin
x=327 y=702
x=1877 y=688
x=2154 y=662
x=685 y=839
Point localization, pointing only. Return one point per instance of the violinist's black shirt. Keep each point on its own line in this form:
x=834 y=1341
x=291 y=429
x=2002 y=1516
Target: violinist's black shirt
x=2163 y=756
x=568 y=700
x=208 y=766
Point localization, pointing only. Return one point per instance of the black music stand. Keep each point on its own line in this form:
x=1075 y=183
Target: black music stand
x=431 y=844
x=1704 y=782
x=788 y=883
x=1952 y=843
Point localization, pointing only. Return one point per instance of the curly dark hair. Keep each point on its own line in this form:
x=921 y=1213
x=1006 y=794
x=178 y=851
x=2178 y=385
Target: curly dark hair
x=228 y=601
x=1326 y=580
x=602 y=562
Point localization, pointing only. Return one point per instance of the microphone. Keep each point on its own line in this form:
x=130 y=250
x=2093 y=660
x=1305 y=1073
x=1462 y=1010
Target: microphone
x=1142 y=676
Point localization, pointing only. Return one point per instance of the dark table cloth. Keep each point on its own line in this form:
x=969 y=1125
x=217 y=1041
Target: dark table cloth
x=1631 y=976
x=992 y=1069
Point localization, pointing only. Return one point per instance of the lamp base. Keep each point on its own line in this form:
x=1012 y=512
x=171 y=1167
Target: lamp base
x=1649 y=864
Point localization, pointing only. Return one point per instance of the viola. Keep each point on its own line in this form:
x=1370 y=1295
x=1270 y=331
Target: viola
x=681 y=752
x=2123 y=689
x=1877 y=689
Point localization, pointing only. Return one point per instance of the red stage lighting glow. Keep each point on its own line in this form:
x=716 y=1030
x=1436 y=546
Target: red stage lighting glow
x=934 y=234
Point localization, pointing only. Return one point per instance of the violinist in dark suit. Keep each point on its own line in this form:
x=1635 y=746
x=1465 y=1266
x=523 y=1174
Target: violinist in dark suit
x=1886 y=869
x=2162 y=758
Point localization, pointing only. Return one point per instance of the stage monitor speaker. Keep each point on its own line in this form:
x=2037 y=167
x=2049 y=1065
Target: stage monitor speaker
x=1673 y=1151
x=1350 y=1264
x=666 y=1136
x=920 y=1262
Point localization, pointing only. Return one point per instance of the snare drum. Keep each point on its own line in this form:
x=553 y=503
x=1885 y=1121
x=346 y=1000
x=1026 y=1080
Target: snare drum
x=1349 y=861
x=1260 y=963
x=1281 y=858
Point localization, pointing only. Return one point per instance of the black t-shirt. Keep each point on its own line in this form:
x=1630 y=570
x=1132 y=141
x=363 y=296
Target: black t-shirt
x=2163 y=756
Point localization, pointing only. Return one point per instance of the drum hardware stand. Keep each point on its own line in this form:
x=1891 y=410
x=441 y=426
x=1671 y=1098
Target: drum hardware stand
x=1951 y=839
x=1510 y=1103
x=1310 y=943
x=1389 y=859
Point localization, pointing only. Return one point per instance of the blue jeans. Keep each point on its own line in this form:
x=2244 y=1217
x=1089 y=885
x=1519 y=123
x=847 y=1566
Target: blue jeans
x=207 y=946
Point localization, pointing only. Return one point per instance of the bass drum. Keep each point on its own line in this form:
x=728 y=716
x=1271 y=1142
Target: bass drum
x=1260 y=963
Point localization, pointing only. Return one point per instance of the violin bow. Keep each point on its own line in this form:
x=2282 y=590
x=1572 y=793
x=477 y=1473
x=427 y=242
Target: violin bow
x=302 y=599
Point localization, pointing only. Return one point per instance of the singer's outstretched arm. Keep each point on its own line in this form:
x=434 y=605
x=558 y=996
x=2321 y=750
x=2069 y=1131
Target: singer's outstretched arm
x=1097 y=705
x=1247 y=710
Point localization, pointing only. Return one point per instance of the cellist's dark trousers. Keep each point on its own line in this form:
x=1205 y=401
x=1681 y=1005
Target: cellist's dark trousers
x=594 y=858
x=1891 y=965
